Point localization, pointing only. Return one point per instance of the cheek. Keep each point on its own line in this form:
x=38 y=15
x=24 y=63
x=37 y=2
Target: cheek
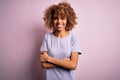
x=65 y=21
x=54 y=22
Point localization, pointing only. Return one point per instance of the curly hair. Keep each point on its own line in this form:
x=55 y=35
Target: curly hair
x=62 y=9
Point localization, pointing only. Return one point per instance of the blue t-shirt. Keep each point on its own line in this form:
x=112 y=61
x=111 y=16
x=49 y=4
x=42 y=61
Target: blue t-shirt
x=60 y=48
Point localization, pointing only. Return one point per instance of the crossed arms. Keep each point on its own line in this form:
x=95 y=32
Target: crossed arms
x=50 y=62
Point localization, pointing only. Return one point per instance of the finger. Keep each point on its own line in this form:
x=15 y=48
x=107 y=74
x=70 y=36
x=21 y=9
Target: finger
x=44 y=52
x=42 y=60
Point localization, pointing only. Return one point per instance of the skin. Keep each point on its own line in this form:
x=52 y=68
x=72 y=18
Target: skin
x=50 y=62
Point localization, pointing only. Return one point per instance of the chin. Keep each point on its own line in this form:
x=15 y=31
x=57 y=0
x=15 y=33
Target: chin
x=59 y=29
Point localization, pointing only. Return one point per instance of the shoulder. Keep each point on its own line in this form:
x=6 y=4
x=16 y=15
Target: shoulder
x=73 y=37
x=48 y=35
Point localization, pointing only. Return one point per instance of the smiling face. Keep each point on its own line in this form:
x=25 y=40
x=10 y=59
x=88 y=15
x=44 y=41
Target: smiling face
x=59 y=22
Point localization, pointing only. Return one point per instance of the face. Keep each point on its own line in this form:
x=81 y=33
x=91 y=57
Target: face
x=59 y=23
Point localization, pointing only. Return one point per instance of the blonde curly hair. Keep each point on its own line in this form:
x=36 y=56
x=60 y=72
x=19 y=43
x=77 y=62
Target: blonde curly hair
x=62 y=9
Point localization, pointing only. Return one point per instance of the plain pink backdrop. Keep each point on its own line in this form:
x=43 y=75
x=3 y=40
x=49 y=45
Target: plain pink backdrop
x=22 y=30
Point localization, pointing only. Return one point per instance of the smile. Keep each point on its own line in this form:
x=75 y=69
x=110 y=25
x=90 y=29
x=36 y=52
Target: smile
x=59 y=26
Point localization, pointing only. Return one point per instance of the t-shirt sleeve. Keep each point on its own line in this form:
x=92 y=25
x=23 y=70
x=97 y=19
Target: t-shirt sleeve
x=75 y=45
x=44 y=45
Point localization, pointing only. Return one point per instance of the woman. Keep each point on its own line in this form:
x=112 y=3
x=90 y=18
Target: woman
x=60 y=49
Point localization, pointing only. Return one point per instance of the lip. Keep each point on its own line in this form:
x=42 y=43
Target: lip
x=59 y=25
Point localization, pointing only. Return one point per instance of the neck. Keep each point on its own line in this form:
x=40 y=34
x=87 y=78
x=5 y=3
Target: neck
x=61 y=34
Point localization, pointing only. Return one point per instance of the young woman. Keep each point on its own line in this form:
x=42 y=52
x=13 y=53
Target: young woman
x=60 y=49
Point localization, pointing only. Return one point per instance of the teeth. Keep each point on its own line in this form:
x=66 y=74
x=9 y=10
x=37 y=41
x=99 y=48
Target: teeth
x=60 y=25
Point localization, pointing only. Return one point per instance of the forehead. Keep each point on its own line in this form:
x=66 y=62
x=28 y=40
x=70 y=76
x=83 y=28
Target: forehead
x=60 y=15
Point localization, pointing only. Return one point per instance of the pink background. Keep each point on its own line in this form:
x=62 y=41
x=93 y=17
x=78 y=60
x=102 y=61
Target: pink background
x=22 y=29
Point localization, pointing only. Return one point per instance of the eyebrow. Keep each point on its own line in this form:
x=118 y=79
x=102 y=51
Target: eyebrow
x=56 y=16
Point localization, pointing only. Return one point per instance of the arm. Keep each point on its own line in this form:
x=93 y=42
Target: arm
x=47 y=65
x=68 y=64
x=44 y=63
x=71 y=64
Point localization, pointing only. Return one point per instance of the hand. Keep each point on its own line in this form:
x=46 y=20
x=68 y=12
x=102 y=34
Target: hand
x=66 y=59
x=44 y=57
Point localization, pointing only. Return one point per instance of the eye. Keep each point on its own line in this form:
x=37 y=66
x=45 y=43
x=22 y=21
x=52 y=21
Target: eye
x=63 y=18
x=55 y=18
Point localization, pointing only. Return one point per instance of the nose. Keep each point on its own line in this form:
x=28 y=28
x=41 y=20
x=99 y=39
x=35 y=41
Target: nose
x=59 y=20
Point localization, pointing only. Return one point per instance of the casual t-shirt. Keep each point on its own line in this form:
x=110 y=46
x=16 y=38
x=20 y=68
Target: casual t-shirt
x=60 y=48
